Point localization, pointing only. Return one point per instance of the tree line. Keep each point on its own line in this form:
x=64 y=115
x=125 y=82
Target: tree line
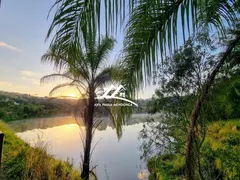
x=19 y=106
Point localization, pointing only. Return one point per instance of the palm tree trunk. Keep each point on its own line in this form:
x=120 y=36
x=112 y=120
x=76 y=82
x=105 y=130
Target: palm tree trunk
x=193 y=133
x=88 y=115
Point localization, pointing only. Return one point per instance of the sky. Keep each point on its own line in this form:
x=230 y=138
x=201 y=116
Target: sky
x=23 y=28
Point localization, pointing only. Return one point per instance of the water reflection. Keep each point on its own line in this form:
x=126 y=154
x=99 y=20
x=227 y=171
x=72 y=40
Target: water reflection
x=43 y=123
x=114 y=160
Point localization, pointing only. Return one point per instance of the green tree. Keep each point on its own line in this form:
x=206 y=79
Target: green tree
x=27 y=110
x=180 y=78
x=85 y=67
x=2 y=113
x=179 y=86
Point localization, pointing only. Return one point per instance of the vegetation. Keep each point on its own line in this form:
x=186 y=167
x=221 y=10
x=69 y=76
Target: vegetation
x=15 y=106
x=219 y=155
x=152 y=27
x=181 y=83
x=86 y=69
x=20 y=161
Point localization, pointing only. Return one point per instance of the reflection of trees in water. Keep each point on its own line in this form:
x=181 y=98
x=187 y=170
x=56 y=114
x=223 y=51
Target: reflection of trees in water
x=43 y=123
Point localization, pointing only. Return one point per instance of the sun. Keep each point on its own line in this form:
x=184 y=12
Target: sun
x=72 y=95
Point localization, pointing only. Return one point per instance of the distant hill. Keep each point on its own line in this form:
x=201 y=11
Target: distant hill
x=16 y=106
x=21 y=106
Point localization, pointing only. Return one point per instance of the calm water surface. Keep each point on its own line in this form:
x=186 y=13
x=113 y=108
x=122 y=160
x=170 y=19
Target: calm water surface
x=114 y=160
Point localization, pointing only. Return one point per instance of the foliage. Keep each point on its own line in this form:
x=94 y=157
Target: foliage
x=163 y=135
x=187 y=69
x=221 y=147
x=181 y=83
x=19 y=106
x=152 y=31
x=85 y=67
x=20 y=161
x=223 y=101
x=168 y=166
x=182 y=75
x=181 y=78
x=151 y=27
x=219 y=155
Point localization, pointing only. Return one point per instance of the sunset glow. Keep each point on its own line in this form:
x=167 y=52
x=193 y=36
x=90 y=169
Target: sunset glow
x=72 y=95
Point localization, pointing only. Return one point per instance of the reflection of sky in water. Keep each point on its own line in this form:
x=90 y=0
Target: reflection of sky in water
x=118 y=160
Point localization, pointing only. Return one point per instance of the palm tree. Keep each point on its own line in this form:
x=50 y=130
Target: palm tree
x=84 y=65
x=152 y=28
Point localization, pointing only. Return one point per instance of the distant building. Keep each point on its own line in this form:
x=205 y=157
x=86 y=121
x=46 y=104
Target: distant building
x=15 y=103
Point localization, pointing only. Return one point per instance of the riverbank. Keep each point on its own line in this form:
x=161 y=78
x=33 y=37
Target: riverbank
x=20 y=161
x=219 y=155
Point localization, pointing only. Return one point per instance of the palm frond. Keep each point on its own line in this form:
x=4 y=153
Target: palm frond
x=125 y=76
x=152 y=24
x=63 y=76
x=54 y=57
x=73 y=20
x=60 y=86
x=104 y=47
x=91 y=51
x=219 y=14
x=105 y=76
x=53 y=77
x=153 y=29
x=63 y=60
x=67 y=18
x=80 y=83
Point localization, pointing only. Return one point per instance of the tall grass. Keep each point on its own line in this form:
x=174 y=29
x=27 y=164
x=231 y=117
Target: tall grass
x=22 y=162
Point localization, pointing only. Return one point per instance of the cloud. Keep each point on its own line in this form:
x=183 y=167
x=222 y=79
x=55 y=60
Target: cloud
x=3 y=83
x=5 y=45
x=20 y=86
x=32 y=80
x=28 y=73
x=37 y=82
x=25 y=78
x=30 y=77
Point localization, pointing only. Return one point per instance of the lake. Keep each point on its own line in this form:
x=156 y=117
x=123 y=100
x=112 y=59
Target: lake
x=114 y=160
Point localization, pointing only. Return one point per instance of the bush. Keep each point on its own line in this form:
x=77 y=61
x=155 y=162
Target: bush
x=167 y=166
x=219 y=155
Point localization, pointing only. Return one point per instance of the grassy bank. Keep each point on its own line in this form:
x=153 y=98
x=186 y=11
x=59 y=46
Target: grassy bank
x=20 y=161
x=220 y=157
